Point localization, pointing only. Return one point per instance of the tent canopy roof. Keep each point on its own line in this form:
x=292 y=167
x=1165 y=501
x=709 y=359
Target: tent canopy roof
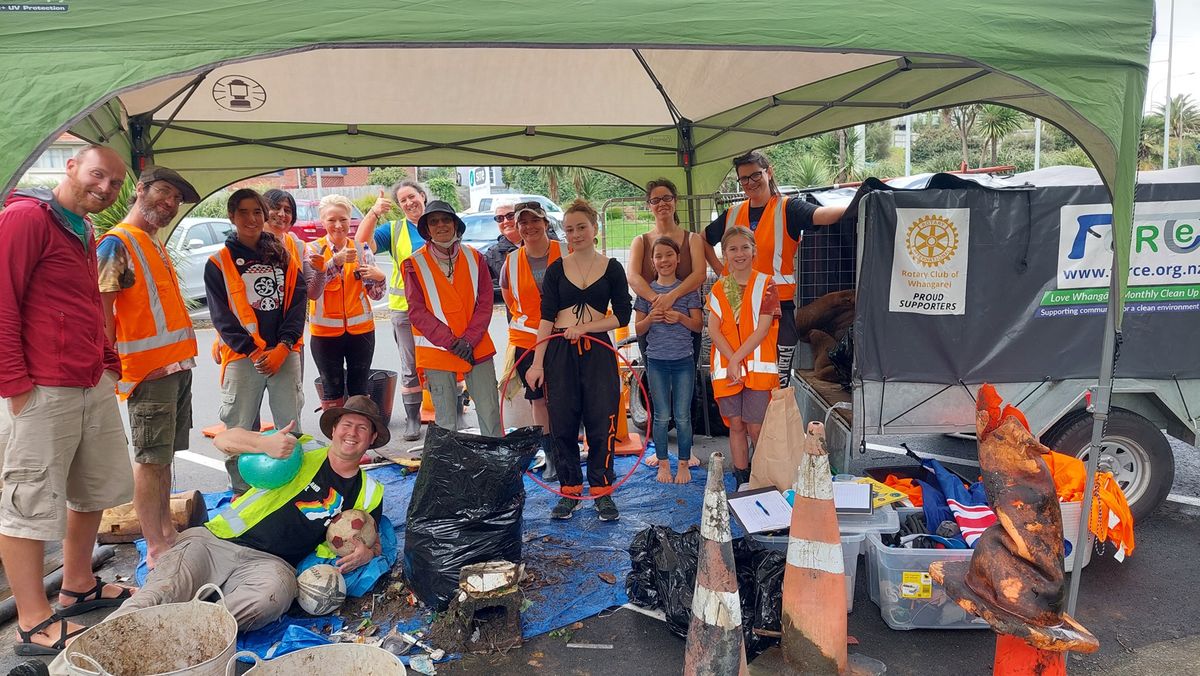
x=226 y=89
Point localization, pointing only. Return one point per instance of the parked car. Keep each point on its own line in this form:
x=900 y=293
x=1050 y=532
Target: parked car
x=194 y=240
x=553 y=212
x=308 y=222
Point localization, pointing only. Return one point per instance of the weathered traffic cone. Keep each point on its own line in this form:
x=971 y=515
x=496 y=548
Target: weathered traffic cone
x=814 y=581
x=1015 y=579
x=714 y=639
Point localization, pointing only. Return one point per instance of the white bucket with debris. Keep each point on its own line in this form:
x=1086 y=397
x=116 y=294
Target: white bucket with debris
x=195 y=638
x=338 y=658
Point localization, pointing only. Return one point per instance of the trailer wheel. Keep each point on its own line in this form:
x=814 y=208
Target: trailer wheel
x=1136 y=453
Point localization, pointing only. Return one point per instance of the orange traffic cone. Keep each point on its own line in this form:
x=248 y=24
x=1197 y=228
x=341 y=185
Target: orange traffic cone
x=814 y=582
x=714 y=639
x=1015 y=657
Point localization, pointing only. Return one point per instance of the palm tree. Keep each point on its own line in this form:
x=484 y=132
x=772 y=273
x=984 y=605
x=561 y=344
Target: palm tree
x=996 y=122
x=834 y=149
x=551 y=175
x=1185 y=120
x=809 y=171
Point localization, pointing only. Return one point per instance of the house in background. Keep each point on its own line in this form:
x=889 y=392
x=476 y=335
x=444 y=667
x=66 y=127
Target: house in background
x=51 y=167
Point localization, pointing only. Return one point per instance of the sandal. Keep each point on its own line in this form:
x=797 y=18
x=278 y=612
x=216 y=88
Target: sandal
x=92 y=599
x=27 y=648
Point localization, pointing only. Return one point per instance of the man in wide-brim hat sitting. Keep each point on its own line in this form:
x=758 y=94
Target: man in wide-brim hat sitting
x=251 y=547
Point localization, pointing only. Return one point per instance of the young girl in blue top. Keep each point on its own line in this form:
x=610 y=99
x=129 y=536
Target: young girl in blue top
x=670 y=366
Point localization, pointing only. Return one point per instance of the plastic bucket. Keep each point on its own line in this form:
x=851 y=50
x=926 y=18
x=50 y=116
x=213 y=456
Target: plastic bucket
x=194 y=638
x=339 y=658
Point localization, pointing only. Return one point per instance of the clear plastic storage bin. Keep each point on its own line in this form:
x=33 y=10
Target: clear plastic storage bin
x=851 y=546
x=898 y=581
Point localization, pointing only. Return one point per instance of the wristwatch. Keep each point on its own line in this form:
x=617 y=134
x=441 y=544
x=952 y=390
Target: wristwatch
x=289 y=344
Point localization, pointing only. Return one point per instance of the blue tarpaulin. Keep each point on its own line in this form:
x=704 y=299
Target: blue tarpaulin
x=566 y=558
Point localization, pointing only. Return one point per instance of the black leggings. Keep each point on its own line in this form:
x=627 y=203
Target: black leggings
x=344 y=363
x=582 y=385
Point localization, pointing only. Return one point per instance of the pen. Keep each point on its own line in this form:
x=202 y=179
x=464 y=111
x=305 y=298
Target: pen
x=760 y=506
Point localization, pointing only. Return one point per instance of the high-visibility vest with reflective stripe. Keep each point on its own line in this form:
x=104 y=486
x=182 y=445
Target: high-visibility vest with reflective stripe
x=522 y=297
x=153 y=328
x=761 y=370
x=235 y=291
x=293 y=245
x=254 y=505
x=452 y=302
x=401 y=249
x=775 y=252
x=344 y=306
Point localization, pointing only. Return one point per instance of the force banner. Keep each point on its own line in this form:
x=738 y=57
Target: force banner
x=929 y=270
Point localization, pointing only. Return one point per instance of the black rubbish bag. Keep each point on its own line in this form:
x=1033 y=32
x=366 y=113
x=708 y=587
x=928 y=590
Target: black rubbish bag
x=466 y=507
x=663 y=576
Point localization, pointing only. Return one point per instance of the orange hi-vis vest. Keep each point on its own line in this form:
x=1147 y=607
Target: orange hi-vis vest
x=775 y=253
x=344 y=306
x=235 y=290
x=452 y=301
x=293 y=249
x=522 y=297
x=761 y=370
x=153 y=328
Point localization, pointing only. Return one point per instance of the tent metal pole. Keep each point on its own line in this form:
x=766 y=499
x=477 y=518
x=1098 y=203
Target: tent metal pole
x=1037 y=143
x=1103 y=392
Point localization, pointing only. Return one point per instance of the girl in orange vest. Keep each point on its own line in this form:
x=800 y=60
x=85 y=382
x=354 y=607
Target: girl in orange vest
x=341 y=285
x=743 y=323
x=778 y=224
x=521 y=276
x=581 y=379
x=257 y=302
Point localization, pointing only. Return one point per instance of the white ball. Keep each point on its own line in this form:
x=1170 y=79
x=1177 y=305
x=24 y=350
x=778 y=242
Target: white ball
x=320 y=589
x=347 y=527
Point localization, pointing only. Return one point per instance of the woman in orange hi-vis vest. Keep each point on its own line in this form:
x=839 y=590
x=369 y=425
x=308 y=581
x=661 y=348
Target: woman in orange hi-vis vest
x=778 y=224
x=581 y=379
x=257 y=301
x=449 y=292
x=341 y=285
x=743 y=312
x=521 y=278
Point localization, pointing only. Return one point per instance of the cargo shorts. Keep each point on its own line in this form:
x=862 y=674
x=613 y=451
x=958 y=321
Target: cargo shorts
x=160 y=417
x=65 y=449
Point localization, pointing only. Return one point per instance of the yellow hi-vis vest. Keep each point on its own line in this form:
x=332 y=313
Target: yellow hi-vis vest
x=254 y=505
x=401 y=249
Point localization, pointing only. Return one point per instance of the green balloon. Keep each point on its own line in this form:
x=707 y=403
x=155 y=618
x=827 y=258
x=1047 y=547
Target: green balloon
x=264 y=472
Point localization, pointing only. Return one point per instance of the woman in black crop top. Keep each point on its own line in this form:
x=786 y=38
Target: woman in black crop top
x=580 y=379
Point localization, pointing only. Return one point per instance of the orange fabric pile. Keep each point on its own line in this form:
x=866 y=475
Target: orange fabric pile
x=906 y=486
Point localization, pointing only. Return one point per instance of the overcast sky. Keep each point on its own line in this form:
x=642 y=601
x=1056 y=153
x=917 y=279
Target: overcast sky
x=1185 y=57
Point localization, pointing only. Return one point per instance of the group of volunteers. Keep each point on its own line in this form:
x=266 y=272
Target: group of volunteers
x=103 y=319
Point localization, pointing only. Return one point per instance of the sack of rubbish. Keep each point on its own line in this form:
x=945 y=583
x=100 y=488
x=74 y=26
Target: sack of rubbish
x=466 y=507
x=663 y=576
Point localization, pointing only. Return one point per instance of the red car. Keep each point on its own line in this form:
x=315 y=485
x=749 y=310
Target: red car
x=308 y=223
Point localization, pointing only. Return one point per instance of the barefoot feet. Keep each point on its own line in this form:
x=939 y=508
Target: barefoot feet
x=664 y=473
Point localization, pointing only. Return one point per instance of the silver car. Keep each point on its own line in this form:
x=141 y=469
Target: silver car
x=194 y=240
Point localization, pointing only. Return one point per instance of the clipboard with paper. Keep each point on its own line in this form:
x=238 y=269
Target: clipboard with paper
x=761 y=510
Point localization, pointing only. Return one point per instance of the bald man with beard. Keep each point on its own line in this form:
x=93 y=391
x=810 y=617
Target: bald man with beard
x=65 y=455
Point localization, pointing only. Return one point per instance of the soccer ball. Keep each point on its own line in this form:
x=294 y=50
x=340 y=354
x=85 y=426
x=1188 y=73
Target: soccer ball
x=346 y=527
x=320 y=589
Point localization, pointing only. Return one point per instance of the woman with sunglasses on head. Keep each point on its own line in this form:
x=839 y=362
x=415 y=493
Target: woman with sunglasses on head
x=778 y=223
x=521 y=277
x=581 y=378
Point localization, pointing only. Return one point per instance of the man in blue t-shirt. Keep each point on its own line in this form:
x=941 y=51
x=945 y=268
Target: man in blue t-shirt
x=400 y=238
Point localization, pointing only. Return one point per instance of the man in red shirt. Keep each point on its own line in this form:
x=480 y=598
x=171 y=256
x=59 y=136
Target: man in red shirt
x=65 y=458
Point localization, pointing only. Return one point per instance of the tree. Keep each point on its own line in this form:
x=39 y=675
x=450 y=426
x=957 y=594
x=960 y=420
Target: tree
x=809 y=172
x=444 y=189
x=1185 y=121
x=551 y=177
x=964 y=121
x=996 y=122
x=833 y=147
x=387 y=176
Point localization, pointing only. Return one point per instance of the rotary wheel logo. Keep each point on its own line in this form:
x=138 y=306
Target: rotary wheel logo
x=932 y=240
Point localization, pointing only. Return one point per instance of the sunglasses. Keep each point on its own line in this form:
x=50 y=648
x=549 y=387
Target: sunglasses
x=500 y=218
x=750 y=178
x=655 y=201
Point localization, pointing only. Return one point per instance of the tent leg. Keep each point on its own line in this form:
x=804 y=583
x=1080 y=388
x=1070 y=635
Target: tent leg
x=1103 y=391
